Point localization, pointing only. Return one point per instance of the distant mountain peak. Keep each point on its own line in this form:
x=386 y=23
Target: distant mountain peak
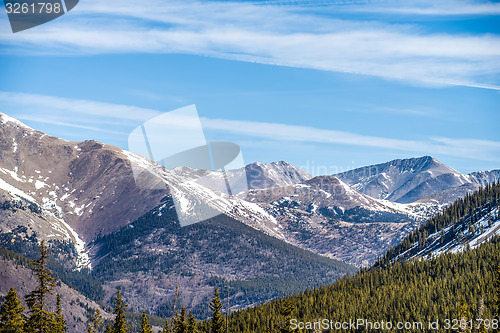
x=273 y=164
x=280 y=173
x=405 y=180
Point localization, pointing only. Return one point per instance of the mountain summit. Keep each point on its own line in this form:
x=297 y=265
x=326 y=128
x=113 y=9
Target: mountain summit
x=414 y=179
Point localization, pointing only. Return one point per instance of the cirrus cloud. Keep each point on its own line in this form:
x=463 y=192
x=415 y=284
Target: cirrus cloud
x=273 y=34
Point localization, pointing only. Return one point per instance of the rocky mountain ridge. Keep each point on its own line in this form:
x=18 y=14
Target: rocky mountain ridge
x=416 y=179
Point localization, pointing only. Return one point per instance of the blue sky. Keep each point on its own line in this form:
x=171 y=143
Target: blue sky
x=326 y=85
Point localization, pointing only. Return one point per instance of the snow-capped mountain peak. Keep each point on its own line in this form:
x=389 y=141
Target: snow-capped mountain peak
x=410 y=180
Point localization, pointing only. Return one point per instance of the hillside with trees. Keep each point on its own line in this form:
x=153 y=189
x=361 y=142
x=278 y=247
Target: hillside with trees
x=462 y=286
x=461 y=222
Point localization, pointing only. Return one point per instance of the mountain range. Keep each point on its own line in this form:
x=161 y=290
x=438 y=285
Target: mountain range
x=416 y=179
x=290 y=230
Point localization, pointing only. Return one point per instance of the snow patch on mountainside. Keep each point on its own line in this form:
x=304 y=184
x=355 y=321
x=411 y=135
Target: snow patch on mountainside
x=50 y=207
x=39 y=184
x=15 y=191
x=14 y=145
x=5 y=119
x=257 y=217
x=420 y=211
x=11 y=173
x=478 y=236
x=138 y=160
x=466 y=238
x=83 y=259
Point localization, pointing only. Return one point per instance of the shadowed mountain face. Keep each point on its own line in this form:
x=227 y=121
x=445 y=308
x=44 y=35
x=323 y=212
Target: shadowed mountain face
x=410 y=180
x=290 y=226
x=154 y=254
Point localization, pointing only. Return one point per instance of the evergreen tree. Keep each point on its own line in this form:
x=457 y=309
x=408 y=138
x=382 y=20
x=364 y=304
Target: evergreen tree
x=497 y=293
x=414 y=290
x=120 y=325
x=11 y=314
x=40 y=320
x=108 y=329
x=180 y=325
x=191 y=325
x=95 y=322
x=464 y=317
x=286 y=311
x=217 y=318
x=166 y=328
x=145 y=327
x=60 y=321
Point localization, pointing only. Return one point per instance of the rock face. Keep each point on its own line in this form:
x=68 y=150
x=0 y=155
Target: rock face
x=154 y=255
x=252 y=176
x=320 y=192
x=260 y=176
x=484 y=177
x=326 y=216
x=410 y=180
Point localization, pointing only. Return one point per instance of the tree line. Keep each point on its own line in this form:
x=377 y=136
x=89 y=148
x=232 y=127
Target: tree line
x=463 y=286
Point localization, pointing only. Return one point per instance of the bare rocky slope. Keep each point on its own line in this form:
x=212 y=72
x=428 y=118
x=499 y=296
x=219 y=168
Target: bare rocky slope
x=87 y=184
x=88 y=189
x=328 y=217
x=410 y=180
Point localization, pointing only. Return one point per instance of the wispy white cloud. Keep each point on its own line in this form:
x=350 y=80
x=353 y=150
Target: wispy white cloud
x=433 y=8
x=276 y=35
x=485 y=150
x=45 y=120
x=98 y=116
x=408 y=7
x=90 y=112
